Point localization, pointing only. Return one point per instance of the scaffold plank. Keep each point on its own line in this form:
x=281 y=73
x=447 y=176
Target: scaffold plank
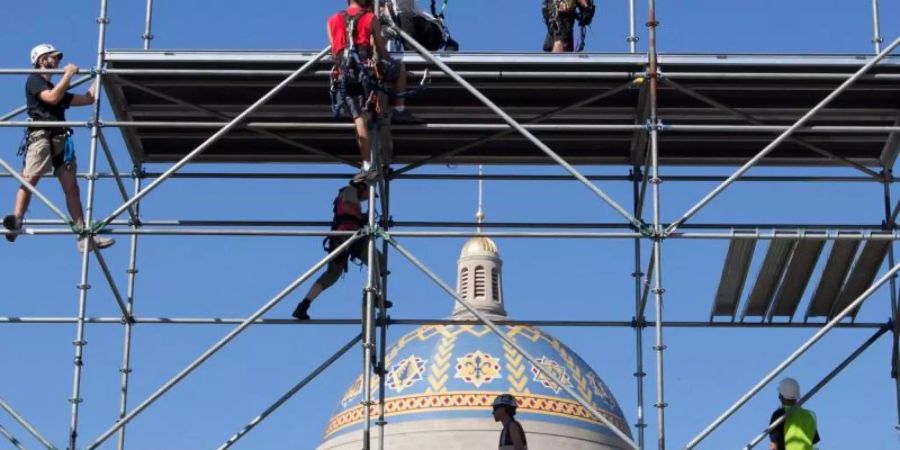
x=734 y=276
x=796 y=278
x=770 y=274
x=833 y=276
x=862 y=275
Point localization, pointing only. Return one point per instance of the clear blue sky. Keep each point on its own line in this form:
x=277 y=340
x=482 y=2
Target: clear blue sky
x=706 y=370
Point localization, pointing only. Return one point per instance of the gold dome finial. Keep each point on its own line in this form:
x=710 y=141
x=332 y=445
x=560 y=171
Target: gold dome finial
x=479 y=244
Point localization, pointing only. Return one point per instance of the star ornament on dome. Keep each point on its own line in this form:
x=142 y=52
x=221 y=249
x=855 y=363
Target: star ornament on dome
x=406 y=373
x=477 y=368
x=554 y=368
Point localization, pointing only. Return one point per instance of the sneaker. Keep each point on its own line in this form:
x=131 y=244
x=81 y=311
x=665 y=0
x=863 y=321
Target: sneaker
x=366 y=176
x=12 y=223
x=405 y=118
x=97 y=243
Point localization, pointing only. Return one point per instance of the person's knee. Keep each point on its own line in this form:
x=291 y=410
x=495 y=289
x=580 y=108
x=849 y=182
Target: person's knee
x=32 y=179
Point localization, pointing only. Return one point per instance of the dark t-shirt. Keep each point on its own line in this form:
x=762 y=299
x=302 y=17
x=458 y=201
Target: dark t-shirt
x=38 y=109
x=777 y=435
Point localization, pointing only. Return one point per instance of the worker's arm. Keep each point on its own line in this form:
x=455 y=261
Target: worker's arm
x=86 y=99
x=330 y=39
x=58 y=93
x=378 y=41
x=584 y=3
x=517 y=436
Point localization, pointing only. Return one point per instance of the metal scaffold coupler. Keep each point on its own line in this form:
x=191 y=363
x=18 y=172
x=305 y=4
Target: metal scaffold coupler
x=660 y=348
x=83 y=287
x=638 y=323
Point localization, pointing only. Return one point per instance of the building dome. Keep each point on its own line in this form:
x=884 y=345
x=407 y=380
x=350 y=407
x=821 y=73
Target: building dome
x=441 y=382
x=479 y=246
x=442 y=379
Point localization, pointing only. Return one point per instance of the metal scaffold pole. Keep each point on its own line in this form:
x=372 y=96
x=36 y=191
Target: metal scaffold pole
x=876 y=27
x=148 y=25
x=129 y=320
x=632 y=37
x=383 y=320
x=658 y=232
x=891 y=224
x=85 y=231
x=639 y=320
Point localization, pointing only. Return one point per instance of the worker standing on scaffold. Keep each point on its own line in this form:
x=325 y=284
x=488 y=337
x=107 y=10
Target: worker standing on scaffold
x=560 y=17
x=51 y=149
x=362 y=67
x=348 y=216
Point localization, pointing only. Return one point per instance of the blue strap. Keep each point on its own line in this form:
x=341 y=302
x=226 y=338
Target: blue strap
x=69 y=152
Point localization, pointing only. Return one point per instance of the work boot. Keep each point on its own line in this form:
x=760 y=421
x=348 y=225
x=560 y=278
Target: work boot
x=301 y=311
x=12 y=223
x=97 y=243
x=404 y=118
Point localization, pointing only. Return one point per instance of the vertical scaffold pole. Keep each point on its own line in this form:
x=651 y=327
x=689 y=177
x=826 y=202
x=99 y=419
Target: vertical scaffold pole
x=148 y=26
x=639 y=321
x=369 y=297
x=383 y=321
x=876 y=27
x=83 y=286
x=632 y=37
x=655 y=180
x=890 y=224
x=129 y=323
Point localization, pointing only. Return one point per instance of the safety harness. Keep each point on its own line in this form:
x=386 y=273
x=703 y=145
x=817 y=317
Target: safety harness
x=352 y=71
x=583 y=15
x=339 y=218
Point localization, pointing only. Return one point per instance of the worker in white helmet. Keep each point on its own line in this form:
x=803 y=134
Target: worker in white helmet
x=50 y=148
x=512 y=437
x=799 y=430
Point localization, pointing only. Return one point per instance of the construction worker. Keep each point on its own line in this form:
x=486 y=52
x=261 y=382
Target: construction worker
x=348 y=216
x=512 y=437
x=351 y=88
x=51 y=148
x=560 y=17
x=430 y=30
x=799 y=430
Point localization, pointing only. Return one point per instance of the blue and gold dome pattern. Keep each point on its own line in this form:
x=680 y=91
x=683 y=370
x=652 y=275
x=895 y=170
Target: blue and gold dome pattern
x=448 y=372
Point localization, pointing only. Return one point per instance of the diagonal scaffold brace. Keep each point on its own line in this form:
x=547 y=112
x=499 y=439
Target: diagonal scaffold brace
x=222 y=342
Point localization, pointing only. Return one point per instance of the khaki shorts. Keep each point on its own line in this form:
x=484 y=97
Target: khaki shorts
x=45 y=153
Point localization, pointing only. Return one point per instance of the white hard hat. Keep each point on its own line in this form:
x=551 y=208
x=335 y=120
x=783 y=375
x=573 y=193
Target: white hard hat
x=789 y=389
x=41 y=50
x=505 y=400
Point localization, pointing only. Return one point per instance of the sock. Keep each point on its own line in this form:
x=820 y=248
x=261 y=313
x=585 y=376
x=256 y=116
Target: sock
x=366 y=165
x=400 y=108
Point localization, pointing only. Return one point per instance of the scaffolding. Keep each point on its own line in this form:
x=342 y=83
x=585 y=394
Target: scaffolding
x=644 y=116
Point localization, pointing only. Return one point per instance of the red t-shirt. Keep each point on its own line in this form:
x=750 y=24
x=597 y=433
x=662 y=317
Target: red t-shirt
x=337 y=29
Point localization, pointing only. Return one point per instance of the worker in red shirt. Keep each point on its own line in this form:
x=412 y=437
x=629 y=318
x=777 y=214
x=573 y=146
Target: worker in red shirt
x=366 y=49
